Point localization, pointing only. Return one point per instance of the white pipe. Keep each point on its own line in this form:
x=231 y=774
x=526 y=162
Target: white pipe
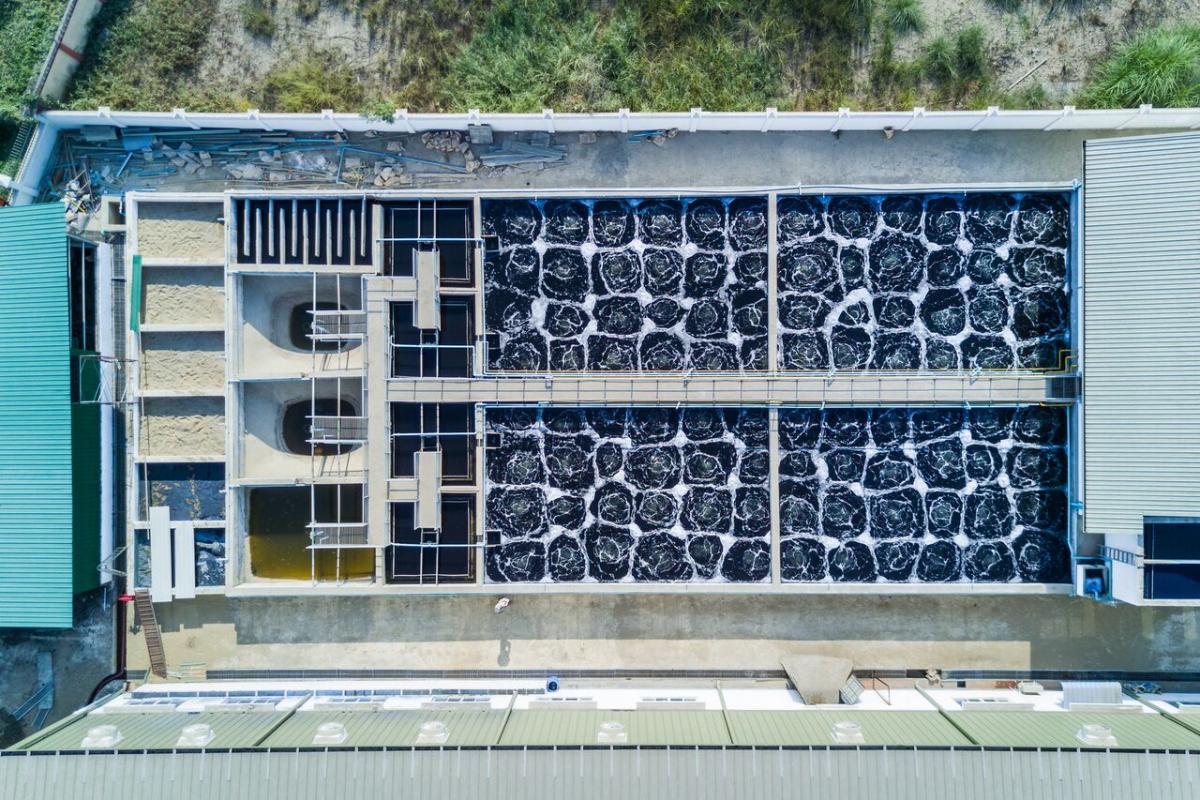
x=107 y=346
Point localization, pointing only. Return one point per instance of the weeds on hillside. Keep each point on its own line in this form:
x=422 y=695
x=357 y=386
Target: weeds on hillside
x=144 y=54
x=258 y=18
x=1161 y=67
x=905 y=16
x=26 y=31
x=662 y=54
x=320 y=79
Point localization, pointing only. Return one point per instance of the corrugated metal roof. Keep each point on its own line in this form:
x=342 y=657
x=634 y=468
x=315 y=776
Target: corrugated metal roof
x=566 y=727
x=154 y=731
x=35 y=419
x=601 y=773
x=391 y=728
x=1060 y=729
x=1141 y=362
x=815 y=727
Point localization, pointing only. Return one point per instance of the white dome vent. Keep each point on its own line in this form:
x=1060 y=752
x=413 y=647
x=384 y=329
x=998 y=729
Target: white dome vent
x=197 y=735
x=330 y=733
x=612 y=733
x=1096 y=736
x=847 y=732
x=433 y=732
x=101 y=737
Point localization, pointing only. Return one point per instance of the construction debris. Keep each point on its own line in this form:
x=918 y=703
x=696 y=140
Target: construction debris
x=513 y=153
x=480 y=134
x=658 y=137
x=104 y=160
x=442 y=141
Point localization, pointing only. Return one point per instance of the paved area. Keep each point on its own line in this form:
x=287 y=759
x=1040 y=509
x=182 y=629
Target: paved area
x=674 y=632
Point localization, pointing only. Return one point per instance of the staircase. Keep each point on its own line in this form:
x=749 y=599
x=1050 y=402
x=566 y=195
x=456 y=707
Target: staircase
x=144 y=611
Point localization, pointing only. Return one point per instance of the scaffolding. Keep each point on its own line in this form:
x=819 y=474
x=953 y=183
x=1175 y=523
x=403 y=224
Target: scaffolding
x=331 y=436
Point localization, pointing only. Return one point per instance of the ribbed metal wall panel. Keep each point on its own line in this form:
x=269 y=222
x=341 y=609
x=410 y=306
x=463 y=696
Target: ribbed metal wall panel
x=1141 y=340
x=35 y=419
x=663 y=774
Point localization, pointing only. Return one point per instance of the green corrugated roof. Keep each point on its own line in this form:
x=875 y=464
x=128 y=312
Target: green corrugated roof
x=35 y=419
x=815 y=727
x=1188 y=719
x=154 y=731
x=1059 y=729
x=564 y=726
x=391 y=728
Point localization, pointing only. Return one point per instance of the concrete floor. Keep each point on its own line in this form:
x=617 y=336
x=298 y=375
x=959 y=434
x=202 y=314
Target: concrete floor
x=787 y=160
x=734 y=160
x=674 y=632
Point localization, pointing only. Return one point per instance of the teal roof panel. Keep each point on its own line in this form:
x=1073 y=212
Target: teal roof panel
x=35 y=419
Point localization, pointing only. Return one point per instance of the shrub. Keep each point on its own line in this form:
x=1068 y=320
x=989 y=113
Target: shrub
x=1161 y=67
x=321 y=79
x=257 y=19
x=905 y=16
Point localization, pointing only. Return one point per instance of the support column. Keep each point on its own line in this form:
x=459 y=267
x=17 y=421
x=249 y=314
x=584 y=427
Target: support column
x=480 y=467
x=772 y=282
x=776 y=527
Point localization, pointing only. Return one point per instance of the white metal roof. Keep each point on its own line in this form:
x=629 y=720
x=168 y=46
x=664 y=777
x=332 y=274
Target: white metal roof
x=1141 y=331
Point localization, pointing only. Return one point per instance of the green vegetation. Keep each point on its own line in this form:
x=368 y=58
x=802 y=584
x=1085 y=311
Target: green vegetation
x=670 y=54
x=1161 y=67
x=905 y=16
x=258 y=18
x=26 y=31
x=525 y=55
x=146 y=54
x=321 y=79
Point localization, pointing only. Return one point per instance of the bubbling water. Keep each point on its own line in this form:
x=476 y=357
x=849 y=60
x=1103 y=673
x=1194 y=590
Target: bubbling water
x=658 y=285
x=908 y=282
x=924 y=495
x=641 y=494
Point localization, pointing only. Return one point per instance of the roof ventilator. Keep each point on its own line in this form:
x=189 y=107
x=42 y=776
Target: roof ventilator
x=1096 y=736
x=433 y=732
x=847 y=732
x=330 y=733
x=198 y=735
x=612 y=733
x=101 y=737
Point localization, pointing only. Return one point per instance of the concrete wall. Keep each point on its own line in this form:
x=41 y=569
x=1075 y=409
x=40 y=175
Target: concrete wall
x=267 y=304
x=265 y=455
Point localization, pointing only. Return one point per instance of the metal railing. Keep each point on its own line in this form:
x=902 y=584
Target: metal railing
x=337 y=430
x=328 y=535
x=337 y=325
x=425 y=369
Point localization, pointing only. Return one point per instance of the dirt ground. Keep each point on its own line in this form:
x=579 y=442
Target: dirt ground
x=1059 y=40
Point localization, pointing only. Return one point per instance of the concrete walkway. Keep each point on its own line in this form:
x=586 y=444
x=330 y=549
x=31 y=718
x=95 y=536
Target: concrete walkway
x=674 y=632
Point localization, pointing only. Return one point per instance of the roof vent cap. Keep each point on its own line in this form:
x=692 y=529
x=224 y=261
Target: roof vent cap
x=1094 y=735
x=101 y=737
x=847 y=732
x=330 y=733
x=612 y=733
x=198 y=735
x=433 y=732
